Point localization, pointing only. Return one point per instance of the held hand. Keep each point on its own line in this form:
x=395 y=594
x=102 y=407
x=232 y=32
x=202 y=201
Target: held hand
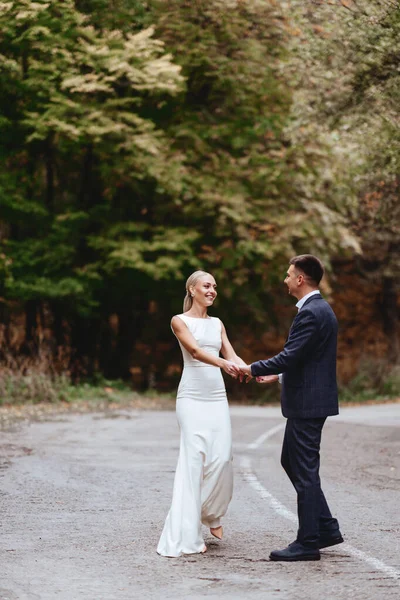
x=230 y=368
x=245 y=373
x=267 y=379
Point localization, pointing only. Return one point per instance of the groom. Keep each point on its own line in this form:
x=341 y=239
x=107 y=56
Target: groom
x=307 y=370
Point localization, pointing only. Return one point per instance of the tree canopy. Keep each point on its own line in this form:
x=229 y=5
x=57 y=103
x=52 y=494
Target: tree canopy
x=142 y=143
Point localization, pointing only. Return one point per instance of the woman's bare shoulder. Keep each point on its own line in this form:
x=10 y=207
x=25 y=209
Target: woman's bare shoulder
x=178 y=321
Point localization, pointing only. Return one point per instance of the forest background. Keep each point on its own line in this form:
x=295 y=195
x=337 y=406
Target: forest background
x=142 y=140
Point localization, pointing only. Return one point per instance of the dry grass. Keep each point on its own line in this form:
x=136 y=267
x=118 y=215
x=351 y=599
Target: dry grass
x=38 y=378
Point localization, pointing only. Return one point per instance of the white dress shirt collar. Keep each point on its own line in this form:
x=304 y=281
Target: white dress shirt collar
x=306 y=297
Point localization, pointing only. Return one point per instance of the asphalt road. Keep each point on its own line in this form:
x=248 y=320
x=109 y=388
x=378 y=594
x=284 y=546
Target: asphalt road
x=84 y=498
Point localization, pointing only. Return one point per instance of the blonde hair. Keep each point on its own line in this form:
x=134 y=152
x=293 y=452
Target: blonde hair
x=191 y=281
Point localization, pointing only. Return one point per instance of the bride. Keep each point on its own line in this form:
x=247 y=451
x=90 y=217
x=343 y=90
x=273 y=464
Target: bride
x=204 y=478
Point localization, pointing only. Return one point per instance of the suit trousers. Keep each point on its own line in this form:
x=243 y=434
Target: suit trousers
x=301 y=461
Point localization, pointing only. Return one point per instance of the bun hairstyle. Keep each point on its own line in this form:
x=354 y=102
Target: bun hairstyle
x=191 y=282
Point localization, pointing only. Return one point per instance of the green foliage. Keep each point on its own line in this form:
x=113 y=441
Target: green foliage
x=104 y=144
x=375 y=379
x=161 y=255
x=253 y=186
x=141 y=143
x=125 y=15
x=347 y=91
x=33 y=387
x=348 y=86
x=71 y=139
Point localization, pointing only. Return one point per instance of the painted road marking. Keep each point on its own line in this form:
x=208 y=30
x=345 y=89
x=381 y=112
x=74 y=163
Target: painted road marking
x=265 y=436
x=281 y=509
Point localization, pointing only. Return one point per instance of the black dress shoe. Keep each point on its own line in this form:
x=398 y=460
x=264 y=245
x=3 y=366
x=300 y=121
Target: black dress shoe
x=332 y=540
x=295 y=551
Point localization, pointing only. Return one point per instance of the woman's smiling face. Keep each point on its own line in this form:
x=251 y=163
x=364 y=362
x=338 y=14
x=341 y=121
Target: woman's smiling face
x=205 y=290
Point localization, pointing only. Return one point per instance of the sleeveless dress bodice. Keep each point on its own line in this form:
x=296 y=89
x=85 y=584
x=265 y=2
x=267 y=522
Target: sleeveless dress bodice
x=199 y=380
x=207 y=333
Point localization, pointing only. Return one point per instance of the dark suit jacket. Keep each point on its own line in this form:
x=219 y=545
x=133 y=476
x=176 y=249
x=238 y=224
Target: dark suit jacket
x=307 y=362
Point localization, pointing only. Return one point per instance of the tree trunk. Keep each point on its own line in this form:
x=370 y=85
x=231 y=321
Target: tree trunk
x=58 y=330
x=83 y=348
x=4 y=328
x=30 y=344
x=108 y=362
x=390 y=319
x=127 y=335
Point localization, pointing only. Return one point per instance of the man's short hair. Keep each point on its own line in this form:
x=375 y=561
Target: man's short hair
x=310 y=265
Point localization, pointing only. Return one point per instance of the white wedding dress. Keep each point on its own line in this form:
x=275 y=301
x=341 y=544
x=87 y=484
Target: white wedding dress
x=204 y=477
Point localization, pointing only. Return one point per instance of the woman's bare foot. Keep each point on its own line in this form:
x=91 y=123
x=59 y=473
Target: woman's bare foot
x=217 y=532
x=204 y=550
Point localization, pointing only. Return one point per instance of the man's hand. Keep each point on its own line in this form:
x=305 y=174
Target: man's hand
x=245 y=373
x=267 y=379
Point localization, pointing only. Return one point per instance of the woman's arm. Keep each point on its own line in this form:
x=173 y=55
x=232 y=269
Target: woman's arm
x=227 y=350
x=189 y=343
